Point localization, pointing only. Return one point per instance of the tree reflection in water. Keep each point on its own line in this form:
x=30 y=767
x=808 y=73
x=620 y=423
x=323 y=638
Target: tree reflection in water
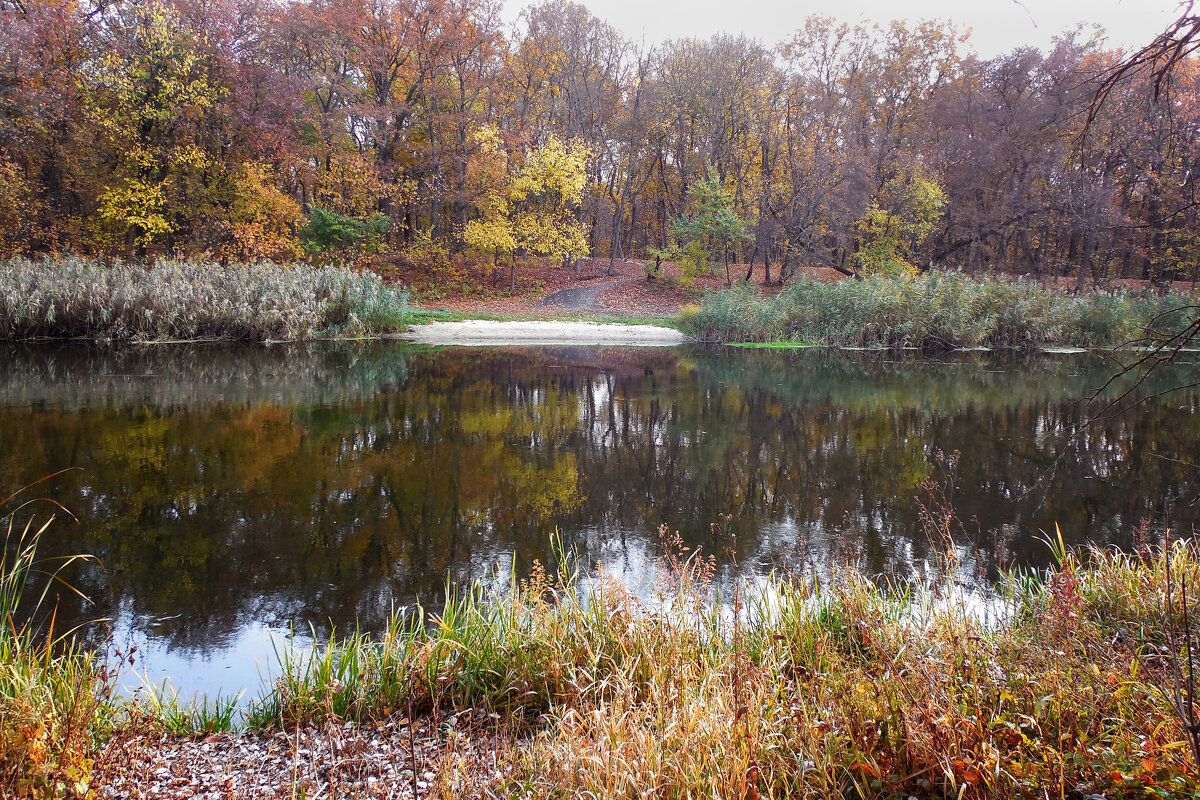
x=226 y=487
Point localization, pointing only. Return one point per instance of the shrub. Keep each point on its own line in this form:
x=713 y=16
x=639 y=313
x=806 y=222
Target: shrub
x=330 y=236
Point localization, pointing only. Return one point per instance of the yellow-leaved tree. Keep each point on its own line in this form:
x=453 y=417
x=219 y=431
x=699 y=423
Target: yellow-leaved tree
x=527 y=207
x=20 y=208
x=900 y=218
x=262 y=219
x=150 y=99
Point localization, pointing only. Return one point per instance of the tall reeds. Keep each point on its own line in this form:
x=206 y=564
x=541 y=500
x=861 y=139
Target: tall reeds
x=936 y=310
x=77 y=298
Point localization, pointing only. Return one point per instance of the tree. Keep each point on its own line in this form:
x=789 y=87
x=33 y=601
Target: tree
x=898 y=221
x=333 y=236
x=1158 y=59
x=529 y=209
x=151 y=94
x=713 y=224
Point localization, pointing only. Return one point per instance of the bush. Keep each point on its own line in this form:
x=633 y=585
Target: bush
x=330 y=236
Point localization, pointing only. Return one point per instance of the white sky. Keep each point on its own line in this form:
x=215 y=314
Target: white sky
x=997 y=25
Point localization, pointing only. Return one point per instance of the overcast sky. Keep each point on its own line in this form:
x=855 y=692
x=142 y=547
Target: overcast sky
x=997 y=25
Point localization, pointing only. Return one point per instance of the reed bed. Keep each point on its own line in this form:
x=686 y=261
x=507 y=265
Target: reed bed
x=845 y=687
x=174 y=300
x=938 y=310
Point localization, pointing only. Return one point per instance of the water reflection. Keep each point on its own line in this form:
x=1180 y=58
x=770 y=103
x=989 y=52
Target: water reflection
x=231 y=491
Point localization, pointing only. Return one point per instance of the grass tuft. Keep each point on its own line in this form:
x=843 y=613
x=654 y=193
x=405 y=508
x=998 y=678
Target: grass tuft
x=197 y=717
x=55 y=696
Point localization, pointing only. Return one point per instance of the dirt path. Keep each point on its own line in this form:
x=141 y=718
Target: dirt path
x=579 y=298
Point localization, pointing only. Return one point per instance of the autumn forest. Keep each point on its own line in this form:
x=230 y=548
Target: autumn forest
x=426 y=131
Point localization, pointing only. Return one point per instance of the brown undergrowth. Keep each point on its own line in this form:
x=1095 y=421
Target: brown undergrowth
x=840 y=686
x=825 y=686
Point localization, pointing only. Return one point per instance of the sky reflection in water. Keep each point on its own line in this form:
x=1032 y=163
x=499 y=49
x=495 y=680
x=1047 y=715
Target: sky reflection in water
x=233 y=494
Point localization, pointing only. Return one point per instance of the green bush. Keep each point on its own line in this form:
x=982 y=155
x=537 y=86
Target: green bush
x=333 y=236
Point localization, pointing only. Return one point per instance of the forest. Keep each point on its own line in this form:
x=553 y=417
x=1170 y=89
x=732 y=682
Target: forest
x=426 y=132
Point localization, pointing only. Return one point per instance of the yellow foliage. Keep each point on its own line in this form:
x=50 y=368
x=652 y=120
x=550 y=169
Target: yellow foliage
x=134 y=205
x=898 y=221
x=19 y=209
x=263 y=219
x=352 y=186
x=528 y=208
x=555 y=169
x=147 y=102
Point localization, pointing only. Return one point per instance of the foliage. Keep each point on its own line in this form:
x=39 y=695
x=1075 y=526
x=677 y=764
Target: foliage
x=145 y=101
x=262 y=219
x=891 y=233
x=428 y=256
x=190 y=130
x=180 y=300
x=936 y=310
x=713 y=228
x=330 y=236
x=528 y=207
x=19 y=209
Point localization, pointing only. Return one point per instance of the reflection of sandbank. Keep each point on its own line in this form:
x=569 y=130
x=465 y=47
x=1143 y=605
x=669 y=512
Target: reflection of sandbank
x=478 y=332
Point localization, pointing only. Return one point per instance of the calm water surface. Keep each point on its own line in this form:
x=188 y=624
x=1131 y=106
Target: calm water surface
x=233 y=494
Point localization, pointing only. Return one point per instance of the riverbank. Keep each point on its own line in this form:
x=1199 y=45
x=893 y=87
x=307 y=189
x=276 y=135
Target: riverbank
x=941 y=310
x=807 y=687
x=72 y=298
x=525 y=333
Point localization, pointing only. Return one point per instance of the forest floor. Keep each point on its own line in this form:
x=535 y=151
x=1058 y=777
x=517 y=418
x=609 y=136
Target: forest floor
x=452 y=757
x=545 y=290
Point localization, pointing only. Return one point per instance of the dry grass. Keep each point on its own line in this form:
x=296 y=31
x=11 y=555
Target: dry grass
x=804 y=689
x=76 y=298
x=55 y=697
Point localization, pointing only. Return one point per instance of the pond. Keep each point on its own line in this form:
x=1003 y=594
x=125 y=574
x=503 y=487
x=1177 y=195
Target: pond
x=234 y=494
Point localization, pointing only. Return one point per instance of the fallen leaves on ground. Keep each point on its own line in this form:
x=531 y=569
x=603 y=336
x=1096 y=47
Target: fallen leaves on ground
x=631 y=294
x=457 y=757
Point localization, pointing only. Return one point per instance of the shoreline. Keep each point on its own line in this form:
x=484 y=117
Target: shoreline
x=841 y=686
x=492 y=333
